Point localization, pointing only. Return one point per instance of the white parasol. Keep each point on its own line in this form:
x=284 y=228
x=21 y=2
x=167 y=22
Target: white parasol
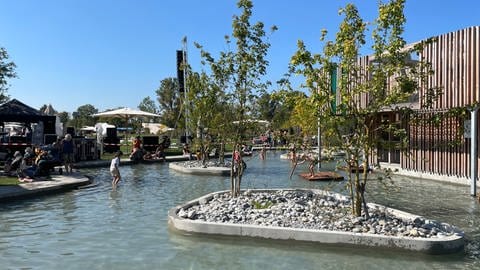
x=125 y=113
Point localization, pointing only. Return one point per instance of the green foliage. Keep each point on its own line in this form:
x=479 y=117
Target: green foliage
x=304 y=116
x=148 y=105
x=363 y=91
x=262 y=205
x=64 y=117
x=239 y=73
x=83 y=116
x=208 y=111
x=7 y=71
x=265 y=107
x=169 y=100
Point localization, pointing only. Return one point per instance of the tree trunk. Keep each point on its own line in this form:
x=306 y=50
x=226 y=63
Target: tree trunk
x=221 y=157
x=358 y=199
x=364 y=203
x=358 y=196
x=232 y=180
x=240 y=173
x=364 y=186
x=351 y=185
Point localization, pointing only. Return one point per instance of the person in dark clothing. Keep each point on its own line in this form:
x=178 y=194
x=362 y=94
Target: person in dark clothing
x=12 y=166
x=68 y=150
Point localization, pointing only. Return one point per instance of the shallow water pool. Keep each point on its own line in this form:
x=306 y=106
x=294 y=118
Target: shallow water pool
x=126 y=227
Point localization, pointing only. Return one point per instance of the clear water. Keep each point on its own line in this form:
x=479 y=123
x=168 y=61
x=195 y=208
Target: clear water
x=126 y=228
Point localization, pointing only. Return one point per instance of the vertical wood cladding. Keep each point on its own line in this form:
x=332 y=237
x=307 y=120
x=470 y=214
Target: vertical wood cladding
x=439 y=146
x=456 y=65
x=455 y=62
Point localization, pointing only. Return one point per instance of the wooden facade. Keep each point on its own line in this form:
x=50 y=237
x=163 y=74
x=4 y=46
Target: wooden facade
x=439 y=147
x=455 y=61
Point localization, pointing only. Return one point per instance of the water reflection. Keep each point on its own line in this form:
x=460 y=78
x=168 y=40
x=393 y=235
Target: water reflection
x=61 y=231
x=115 y=197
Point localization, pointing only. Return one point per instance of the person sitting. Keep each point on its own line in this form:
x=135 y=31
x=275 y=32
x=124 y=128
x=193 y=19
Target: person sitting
x=137 y=143
x=186 y=151
x=165 y=141
x=148 y=156
x=45 y=163
x=29 y=151
x=160 y=152
x=13 y=166
x=246 y=150
x=137 y=155
x=27 y=169
x=56 y=150
x=198 y=154
x=137 y=152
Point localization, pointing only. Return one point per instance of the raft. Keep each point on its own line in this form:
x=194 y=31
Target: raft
x=322 y=176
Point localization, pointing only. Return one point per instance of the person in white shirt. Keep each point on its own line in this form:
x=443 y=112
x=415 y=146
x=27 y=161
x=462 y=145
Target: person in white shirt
x=114 y=168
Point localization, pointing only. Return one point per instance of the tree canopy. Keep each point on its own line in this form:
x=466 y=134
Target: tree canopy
x=239 y=73
x=148 y=105
x=83 y=116
x=7 y=71
x=169 y=100
x=362 y=91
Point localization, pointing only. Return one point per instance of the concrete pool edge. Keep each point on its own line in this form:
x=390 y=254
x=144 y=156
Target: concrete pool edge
x=448 y=244
x=176 y=166
x=57 y=184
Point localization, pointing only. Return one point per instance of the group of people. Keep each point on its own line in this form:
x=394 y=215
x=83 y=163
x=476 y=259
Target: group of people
x=39 y=161
x=199 y=154
x=139 y=153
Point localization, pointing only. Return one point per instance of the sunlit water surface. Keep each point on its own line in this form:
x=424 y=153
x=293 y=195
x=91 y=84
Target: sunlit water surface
x=126 y=228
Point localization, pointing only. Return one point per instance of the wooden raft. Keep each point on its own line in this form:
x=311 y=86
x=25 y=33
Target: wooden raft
x=322 y=176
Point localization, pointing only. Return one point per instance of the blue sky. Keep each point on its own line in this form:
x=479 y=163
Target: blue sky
x=112 y=53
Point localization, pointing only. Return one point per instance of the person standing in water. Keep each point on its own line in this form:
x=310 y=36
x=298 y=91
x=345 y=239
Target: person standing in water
x=114 y=170
x=263 y=152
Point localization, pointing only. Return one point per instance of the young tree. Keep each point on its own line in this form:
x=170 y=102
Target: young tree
x=364 y=90
x=148 y=105
x=287 y=101
x=64 y=118
x=239 y=73
x=207 y=111
x=169 y=99
x=269 y=108
x=83 y=116
x=7 y=71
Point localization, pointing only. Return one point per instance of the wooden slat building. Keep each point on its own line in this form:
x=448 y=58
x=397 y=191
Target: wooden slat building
x=440 y=147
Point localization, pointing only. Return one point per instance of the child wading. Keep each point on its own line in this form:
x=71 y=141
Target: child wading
x=114 y=168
